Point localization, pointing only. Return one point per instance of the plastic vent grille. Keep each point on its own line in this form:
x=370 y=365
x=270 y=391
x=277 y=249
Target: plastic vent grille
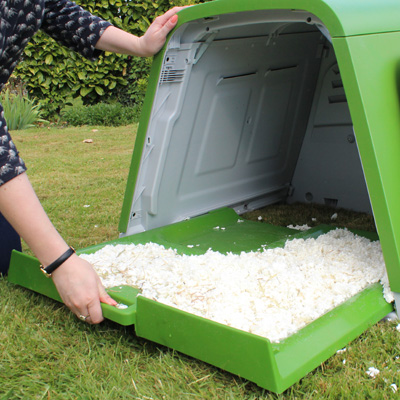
x=337 y=86
x=172 y=75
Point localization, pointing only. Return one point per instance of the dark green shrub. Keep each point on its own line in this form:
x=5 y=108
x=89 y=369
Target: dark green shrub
x=53 y=73
x=136 y=78
x=99 y=114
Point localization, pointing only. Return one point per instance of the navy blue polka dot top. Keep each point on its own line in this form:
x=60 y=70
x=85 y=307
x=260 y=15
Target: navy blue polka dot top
x=64 y=21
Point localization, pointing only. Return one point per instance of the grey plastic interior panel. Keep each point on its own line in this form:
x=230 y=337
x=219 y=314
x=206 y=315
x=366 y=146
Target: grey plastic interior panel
x=329 y=170
x=236 y=95
x=249 y=24
x=229 y=116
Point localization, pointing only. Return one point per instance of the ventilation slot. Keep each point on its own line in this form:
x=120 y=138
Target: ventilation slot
x=337 y=84
x=341 y=98
x=331 y=202
x=172 y=75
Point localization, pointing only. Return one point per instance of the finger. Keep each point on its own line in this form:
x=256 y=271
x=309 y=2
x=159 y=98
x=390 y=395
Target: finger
x=172 y=22
x=168 y=26
x=82 y=313
x=84 y=316
x=95 y=314
x=105 y=297
x=74 y=308
x=164 y=18
x=88 y=320
x=108 y=300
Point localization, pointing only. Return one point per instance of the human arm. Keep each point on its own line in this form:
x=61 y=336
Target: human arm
x=72 y=26
x=118 y=41
x=76 y=281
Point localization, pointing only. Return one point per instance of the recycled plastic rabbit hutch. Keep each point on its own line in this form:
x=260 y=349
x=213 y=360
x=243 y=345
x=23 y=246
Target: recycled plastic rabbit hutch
x=251 y=103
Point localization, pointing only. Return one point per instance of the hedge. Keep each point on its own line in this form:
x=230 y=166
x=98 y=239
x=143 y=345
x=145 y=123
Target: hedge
x=52 y=73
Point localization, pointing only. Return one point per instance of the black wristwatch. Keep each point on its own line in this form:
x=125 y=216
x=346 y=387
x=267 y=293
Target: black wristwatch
x=55 y=264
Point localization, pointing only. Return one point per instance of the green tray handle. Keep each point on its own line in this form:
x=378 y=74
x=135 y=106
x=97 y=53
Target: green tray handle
x=24 y=271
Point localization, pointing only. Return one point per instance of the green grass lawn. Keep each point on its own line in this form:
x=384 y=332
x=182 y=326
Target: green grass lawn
x=47 y=353
x=81 y=185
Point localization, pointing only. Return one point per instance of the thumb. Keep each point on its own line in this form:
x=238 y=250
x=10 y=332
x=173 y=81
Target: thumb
x=170 y=24
x=105 y=297
x=173 y=20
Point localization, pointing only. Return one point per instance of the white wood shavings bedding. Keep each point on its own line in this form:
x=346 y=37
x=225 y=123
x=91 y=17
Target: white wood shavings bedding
x=271 y=293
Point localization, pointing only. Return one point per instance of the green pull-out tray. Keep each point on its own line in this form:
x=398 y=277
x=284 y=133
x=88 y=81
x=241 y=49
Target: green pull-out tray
x=274 y=366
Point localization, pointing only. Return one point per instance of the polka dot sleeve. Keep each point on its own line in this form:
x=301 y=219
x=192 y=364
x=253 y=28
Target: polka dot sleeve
x=11 y=164
x=69 y=24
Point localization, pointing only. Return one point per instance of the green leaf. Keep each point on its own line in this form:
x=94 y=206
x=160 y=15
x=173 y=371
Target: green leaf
x=48 y=59
x=85 y=91
x=99 y=90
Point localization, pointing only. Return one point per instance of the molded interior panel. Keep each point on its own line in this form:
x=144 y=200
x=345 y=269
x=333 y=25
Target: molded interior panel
x=329 y=170
x=227 y=129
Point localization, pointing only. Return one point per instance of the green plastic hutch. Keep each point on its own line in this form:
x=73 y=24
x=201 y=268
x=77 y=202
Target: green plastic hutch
x=251 y=103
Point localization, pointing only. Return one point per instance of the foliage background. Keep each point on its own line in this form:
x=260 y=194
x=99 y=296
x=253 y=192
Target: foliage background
x=52 y=73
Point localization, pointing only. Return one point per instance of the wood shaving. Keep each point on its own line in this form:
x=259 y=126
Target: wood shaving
x=272 y=292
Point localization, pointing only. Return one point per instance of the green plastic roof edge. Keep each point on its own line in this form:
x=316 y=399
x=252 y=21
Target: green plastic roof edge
x=370 y=71
x=342 y=18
